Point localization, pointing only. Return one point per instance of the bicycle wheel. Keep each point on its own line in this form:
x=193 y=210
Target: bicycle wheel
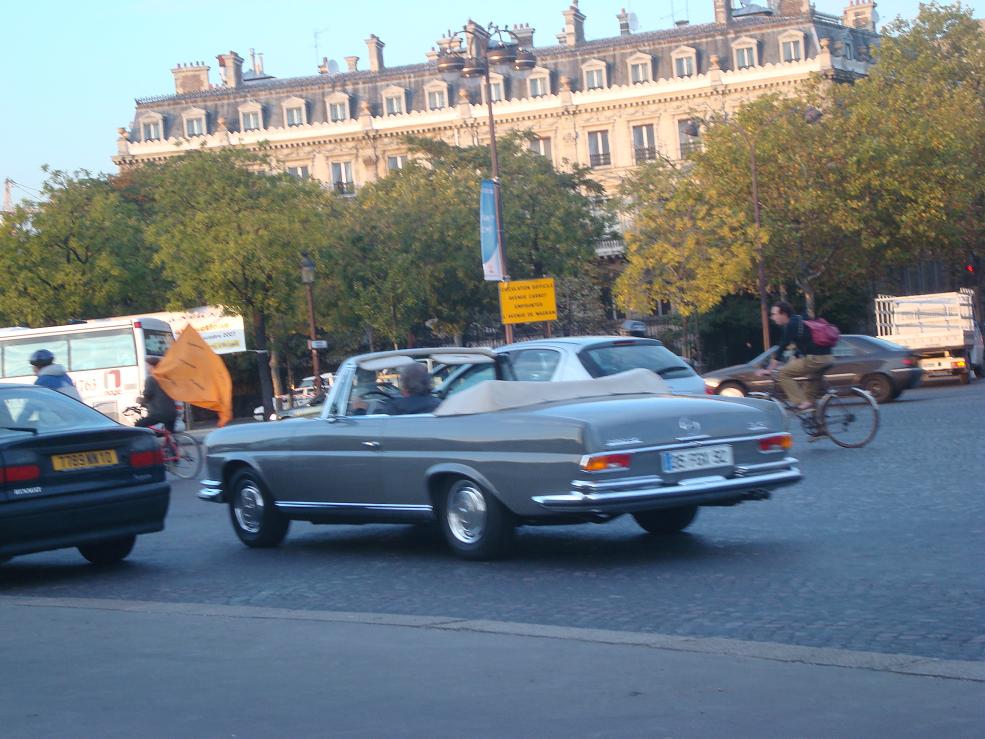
x=850 y=420
x=187 y=460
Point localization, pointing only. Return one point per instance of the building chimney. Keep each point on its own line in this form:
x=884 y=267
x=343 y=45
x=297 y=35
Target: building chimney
x=524 y=35
x=352 y=63
x=323 y=67
x=476 y=39
x=792 y=7
x=231 y=69
x=375 y=47
x=860 y=14
x=574 y=25
x=623 y=18
x=192 y=77
x=259 y=67
x=723 y=12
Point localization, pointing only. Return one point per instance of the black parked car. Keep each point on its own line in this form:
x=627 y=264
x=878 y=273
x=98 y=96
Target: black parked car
x=879 y=366
x=71 y=477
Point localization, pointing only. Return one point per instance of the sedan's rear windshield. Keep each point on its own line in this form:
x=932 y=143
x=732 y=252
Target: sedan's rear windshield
x=610 y=359
x=43 y=409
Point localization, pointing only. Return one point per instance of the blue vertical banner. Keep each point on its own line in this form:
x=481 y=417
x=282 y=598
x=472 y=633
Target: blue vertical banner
x=492 y=259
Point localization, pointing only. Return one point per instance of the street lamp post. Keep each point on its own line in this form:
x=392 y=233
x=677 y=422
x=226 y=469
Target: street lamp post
x=476 y=63
x=308 y=278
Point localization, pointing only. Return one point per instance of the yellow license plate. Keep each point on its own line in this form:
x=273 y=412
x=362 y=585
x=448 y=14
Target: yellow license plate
x=84 y=460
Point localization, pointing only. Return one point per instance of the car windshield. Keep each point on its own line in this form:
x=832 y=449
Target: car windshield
x=41 y=410
x=610 y=359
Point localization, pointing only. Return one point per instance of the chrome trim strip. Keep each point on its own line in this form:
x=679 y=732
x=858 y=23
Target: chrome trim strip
x=626 y=482
x=709 y=442
x=210 y=491
x=745 y=469
x=351 y=506
x=578 y=501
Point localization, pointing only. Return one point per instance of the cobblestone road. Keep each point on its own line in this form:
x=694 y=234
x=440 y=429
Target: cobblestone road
x=880 y=549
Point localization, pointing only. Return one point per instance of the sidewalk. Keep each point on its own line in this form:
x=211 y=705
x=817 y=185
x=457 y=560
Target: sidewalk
x=110 y=668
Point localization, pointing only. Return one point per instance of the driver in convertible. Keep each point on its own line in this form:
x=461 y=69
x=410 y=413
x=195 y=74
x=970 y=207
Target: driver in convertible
x=415 y=393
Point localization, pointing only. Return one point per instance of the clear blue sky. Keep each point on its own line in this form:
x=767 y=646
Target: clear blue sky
x=72 y=69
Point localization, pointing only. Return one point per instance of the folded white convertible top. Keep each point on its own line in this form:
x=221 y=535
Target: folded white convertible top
x=498 y=395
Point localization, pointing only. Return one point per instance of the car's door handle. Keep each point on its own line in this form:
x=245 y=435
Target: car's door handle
x=371 y=444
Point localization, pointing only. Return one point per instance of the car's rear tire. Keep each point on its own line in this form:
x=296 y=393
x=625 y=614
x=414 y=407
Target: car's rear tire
x=667 y=520
x=731 y=390
x=108 y=552
x=879 y=387
x=475 y=524
x=255 y=518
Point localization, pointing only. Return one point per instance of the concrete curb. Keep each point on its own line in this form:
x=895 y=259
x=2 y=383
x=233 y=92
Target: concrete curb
x=903 y=664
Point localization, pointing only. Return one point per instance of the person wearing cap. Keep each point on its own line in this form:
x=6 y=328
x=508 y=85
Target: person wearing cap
x=52 y=375
x=160 y=407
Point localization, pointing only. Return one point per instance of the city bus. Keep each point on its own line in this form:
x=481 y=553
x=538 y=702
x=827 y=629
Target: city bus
x=104 y=357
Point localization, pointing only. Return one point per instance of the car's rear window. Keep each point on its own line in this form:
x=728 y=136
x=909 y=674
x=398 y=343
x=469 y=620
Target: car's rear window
x=43 y=409
x=610 y=359
x=883 y=344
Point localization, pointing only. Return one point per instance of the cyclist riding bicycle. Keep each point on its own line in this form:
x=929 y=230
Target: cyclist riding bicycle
x=805 y=359
x=160 y=407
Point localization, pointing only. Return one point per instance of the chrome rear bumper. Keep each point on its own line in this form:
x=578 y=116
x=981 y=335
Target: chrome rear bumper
x=211 y=491
x=651 y=492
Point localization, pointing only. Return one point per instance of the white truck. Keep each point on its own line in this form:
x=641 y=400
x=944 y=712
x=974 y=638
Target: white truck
x=942 y=329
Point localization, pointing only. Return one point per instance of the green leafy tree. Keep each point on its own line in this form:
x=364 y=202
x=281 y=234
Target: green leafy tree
x=79 y=252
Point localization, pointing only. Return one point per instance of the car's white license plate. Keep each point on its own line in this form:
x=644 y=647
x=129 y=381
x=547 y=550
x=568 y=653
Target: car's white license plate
x=701 y=458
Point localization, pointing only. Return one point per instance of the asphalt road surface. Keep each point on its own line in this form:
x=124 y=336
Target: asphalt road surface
x=880 y=549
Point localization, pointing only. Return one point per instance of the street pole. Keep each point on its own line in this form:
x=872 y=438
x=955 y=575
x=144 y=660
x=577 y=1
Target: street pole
x=315 y=364
x=497 y=197
x=761 y=266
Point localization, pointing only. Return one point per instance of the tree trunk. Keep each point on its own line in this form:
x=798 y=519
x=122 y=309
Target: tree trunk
x=263 y=362
x=809 y=298
x=275 y=368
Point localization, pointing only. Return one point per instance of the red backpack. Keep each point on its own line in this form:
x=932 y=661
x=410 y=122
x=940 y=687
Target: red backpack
x=823 y=334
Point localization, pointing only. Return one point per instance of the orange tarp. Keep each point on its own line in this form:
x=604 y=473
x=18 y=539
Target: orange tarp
x=193 y=373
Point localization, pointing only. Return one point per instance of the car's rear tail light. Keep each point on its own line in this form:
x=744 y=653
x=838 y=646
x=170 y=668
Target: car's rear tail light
x=709 y=390
x=909 y=361
x=20 y=473
x=777 y=443
x=958 y=364
x=602 y=462
x=148 y=458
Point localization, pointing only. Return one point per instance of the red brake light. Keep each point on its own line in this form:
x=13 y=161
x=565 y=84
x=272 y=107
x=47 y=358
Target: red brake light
x=908 y=361
x=777 y=443
x=136 y=324
x=600 y=462
x=148 y=458
x=709 y=390
x=20 y=473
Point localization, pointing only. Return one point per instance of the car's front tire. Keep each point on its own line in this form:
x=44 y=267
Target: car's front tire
x=108 y=552
x=255 y=518
x=667 y=520
x=475 y=524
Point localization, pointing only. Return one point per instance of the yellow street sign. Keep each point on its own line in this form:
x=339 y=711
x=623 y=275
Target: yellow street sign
x=527 y=301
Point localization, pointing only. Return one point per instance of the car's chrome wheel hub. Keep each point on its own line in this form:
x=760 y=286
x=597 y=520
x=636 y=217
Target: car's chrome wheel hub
x=467 y=514
x=249 y=508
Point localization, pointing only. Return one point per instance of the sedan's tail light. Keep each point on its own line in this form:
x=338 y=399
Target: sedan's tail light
x=778 y=443
x=603 y=462
x=148 y=458
x=909 y=361
x=20 y=473
x=709 y=390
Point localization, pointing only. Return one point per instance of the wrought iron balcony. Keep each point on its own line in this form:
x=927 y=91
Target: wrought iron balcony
x=600 y=160
x=645 y=153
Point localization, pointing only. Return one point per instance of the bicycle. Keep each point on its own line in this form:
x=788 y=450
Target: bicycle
x=181 y=452
x=848 y=416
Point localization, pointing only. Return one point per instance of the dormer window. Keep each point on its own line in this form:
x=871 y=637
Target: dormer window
x=194 y=122
x=337 y=107
x=744 y=53
x=151 y=126
x=640 y=68
x=436 y=95
x=594 y=75
x=685 y=61
x=250 y=116
x=792 y=46
x=295 y=112
x=497 y=87
x=539 y=82
x=393 y=101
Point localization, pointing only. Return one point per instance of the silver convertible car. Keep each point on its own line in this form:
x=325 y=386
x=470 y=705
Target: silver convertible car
x=497 y=454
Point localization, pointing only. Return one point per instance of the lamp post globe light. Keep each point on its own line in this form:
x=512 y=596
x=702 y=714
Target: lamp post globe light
x=811 y=115
x=502 y=47
x=308 y=280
